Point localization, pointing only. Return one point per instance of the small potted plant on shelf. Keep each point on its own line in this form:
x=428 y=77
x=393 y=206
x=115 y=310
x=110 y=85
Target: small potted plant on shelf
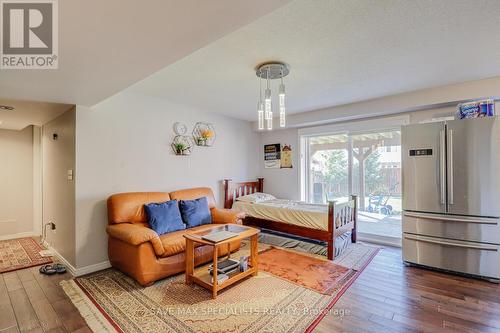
x=179 y=148
x=205 y=135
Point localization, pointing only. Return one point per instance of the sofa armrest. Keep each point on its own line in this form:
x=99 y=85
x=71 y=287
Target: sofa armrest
x=136 y=234
x=223 y=216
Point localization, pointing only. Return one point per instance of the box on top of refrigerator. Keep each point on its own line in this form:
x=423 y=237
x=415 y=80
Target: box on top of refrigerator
x=476 y=109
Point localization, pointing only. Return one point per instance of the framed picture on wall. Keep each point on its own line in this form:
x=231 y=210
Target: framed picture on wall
x=272 y=156
x=286 y=156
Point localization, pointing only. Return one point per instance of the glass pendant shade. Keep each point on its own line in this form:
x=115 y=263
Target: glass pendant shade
x=282 y=105
x=267 y=103
x=260 y=114
x=270 y=121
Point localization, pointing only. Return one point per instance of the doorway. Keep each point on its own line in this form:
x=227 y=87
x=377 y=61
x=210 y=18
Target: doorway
x=363 y=163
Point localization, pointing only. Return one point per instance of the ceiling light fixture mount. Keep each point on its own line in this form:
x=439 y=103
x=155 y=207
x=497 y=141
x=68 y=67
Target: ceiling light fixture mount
x=271 y=71
x=276 y=70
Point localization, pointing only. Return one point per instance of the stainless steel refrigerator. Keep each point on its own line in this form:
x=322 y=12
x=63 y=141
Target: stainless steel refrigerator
x=451 y=196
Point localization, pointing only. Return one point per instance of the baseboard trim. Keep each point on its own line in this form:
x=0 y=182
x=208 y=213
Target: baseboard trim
x=63 y=260
x=377 y=239
x=81 y=270
x=18 y=235
x=93 y=268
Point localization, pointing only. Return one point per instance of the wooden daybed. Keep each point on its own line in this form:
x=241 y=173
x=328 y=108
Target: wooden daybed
x=341 y=216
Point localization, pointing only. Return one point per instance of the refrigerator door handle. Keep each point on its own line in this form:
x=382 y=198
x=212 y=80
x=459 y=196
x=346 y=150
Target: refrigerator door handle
x=441 y=241
x=450 y=166
x=457 y=218
x=442 y=167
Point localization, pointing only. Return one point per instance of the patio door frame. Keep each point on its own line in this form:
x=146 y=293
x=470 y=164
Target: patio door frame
x=350 y=128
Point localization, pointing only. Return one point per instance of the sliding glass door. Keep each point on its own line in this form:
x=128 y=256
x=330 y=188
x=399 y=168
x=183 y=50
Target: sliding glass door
x=367 y=164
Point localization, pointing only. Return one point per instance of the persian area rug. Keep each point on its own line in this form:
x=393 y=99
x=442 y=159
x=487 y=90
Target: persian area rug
x=112 y=302
x=20 y=253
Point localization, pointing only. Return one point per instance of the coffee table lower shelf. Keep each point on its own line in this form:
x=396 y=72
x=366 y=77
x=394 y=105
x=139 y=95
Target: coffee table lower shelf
x=204 y=279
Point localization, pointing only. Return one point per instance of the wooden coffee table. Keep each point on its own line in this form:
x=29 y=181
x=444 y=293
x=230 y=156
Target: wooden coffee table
x=202 y=277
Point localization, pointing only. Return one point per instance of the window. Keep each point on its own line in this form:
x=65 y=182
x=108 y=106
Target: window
x=364 y=163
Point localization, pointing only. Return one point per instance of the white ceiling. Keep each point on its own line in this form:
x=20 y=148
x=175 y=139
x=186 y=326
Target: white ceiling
x=105 y=46
x=340 y=51
x=29 y=113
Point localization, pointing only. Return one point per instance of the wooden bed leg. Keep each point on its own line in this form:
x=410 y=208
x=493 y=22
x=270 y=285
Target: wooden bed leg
x=331 y=230
x=331 y=250
x=354 y=232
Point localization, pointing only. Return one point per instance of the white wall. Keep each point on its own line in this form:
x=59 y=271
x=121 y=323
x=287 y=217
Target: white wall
x=37 y=181
x=16 y=182
x=58 y=190
x=283 y=183
x=123 y=144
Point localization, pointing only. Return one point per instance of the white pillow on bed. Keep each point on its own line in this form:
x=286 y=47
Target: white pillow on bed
x=256 y=197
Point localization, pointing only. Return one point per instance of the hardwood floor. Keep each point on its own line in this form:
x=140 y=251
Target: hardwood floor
x=32 y=302
x=387 y=297
x=390 y=297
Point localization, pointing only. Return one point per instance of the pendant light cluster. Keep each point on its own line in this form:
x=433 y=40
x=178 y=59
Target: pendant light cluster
x=268 y=72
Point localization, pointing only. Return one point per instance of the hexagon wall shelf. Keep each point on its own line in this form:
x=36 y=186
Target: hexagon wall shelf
x=182 y=145
x=204 y=134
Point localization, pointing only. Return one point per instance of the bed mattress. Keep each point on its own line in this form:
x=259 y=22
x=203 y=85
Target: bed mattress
x=288 y=211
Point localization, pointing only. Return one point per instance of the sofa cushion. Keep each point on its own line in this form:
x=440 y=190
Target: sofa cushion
x=195 y=193
x=164 y=217
x=175 y=243
x=195 y=212
x=129 y=207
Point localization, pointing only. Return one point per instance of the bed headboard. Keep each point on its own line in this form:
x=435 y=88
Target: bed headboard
x=233 y=190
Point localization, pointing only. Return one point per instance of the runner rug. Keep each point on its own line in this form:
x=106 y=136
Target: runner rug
x=20 y=253
x=110 y=301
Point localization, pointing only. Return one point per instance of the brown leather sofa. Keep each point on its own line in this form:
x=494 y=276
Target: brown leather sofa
x=139 y=252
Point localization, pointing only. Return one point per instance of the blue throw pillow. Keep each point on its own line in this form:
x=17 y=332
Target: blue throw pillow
x=195 y=212
x=164 y=217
